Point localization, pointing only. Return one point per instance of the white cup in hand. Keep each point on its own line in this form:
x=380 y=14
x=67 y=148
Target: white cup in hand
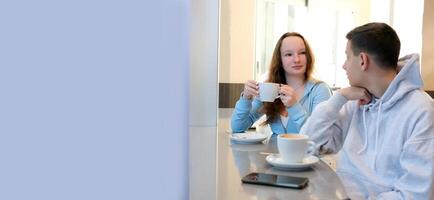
x=293 y=148
x=268 y=92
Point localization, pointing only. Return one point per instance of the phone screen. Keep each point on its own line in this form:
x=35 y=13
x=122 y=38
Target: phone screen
x=275 y=180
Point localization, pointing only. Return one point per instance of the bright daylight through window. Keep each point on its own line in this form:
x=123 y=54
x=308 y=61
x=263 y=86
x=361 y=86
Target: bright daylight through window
x=327 y=38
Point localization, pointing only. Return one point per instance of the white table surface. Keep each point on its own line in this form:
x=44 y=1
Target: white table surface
x=218 y=164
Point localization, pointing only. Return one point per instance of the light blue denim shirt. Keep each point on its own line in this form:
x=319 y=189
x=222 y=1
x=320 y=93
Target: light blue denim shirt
x=246 y=111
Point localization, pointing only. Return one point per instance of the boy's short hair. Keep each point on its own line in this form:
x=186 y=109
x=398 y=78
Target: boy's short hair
x=378 y=40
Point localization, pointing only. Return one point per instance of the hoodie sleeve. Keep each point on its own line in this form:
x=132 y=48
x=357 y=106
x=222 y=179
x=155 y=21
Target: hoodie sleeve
x=299 y=114
x=328 y=124
x=245 y=114
x=417 y=163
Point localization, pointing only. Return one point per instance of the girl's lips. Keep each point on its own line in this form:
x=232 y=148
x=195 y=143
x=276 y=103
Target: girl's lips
x=297 y=66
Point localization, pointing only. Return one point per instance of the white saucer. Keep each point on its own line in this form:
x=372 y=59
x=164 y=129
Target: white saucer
x=276 y=161
x=251 y=147
x=248 y=137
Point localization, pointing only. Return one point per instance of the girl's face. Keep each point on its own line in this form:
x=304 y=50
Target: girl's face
x=293 y=55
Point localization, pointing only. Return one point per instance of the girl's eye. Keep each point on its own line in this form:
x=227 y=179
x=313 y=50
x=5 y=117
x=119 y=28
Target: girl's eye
x=288 y=54
x=303 y=52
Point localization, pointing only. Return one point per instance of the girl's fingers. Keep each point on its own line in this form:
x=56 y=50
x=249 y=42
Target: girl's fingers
x=252 y=91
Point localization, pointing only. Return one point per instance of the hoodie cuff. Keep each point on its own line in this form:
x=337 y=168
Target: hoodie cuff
x=337 y=101
x=243 y=100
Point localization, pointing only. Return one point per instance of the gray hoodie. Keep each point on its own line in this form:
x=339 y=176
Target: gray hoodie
x=385 y=148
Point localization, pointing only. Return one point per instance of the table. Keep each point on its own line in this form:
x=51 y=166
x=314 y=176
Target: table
x=237 y=160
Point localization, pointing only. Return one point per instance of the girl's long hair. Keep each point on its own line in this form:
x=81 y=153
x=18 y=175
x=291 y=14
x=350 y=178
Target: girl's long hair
x=277 y=75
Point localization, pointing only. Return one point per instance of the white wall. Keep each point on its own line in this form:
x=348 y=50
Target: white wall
x=237 y=35
x=94 y=99
x=409 y=29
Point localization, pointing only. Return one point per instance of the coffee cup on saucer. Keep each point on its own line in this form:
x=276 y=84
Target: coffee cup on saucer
x=293 y=148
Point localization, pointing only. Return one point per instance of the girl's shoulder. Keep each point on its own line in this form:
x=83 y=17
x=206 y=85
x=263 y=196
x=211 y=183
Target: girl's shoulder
x=319 y=87
x=315 y=83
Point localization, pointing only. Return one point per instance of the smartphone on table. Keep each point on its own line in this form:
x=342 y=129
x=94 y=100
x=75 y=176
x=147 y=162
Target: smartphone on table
x=275 y=180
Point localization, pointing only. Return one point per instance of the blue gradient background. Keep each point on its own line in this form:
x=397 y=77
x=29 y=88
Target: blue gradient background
x=94 y=99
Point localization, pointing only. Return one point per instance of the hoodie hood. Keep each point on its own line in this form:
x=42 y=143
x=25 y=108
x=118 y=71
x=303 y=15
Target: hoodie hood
x=407 y=80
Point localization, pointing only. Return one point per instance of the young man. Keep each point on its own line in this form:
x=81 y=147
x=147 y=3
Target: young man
x=382 y=126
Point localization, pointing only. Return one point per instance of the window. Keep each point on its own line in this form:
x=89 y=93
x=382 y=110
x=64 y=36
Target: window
x=324 y=24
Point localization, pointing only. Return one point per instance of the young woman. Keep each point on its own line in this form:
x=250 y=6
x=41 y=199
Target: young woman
x=291 y=67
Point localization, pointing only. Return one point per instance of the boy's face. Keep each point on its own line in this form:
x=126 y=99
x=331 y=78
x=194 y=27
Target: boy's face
x=352 y=66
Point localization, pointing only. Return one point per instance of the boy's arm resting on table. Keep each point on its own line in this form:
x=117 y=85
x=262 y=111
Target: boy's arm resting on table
x=245 y=114
x=299 y=115
x=417 y=161
x=328 y=124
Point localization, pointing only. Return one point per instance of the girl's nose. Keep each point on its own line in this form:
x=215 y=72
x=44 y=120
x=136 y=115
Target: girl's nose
x=296 y=58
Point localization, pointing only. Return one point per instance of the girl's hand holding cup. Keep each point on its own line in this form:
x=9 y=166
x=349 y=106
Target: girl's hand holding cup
x=250 y=89
x=288 y=95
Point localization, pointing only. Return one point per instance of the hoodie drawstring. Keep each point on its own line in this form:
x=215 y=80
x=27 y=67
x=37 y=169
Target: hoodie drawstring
x=365 y=144
x=377 y=130
x=374 y=166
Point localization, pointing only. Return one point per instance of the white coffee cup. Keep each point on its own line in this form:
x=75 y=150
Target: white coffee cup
x=268 y=92
x=293 y=148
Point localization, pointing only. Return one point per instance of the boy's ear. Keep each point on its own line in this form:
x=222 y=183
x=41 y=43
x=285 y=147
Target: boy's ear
x=364 y=60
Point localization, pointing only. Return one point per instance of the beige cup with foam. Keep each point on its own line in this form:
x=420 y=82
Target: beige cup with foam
x=293 y=148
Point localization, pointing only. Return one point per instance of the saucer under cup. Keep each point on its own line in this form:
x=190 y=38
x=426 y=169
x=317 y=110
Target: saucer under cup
x=248 y=137
x=276 y=161
x=293 y=147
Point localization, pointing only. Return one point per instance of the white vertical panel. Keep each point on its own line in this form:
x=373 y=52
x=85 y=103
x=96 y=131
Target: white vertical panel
x=204 y=34
x=204 y=38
